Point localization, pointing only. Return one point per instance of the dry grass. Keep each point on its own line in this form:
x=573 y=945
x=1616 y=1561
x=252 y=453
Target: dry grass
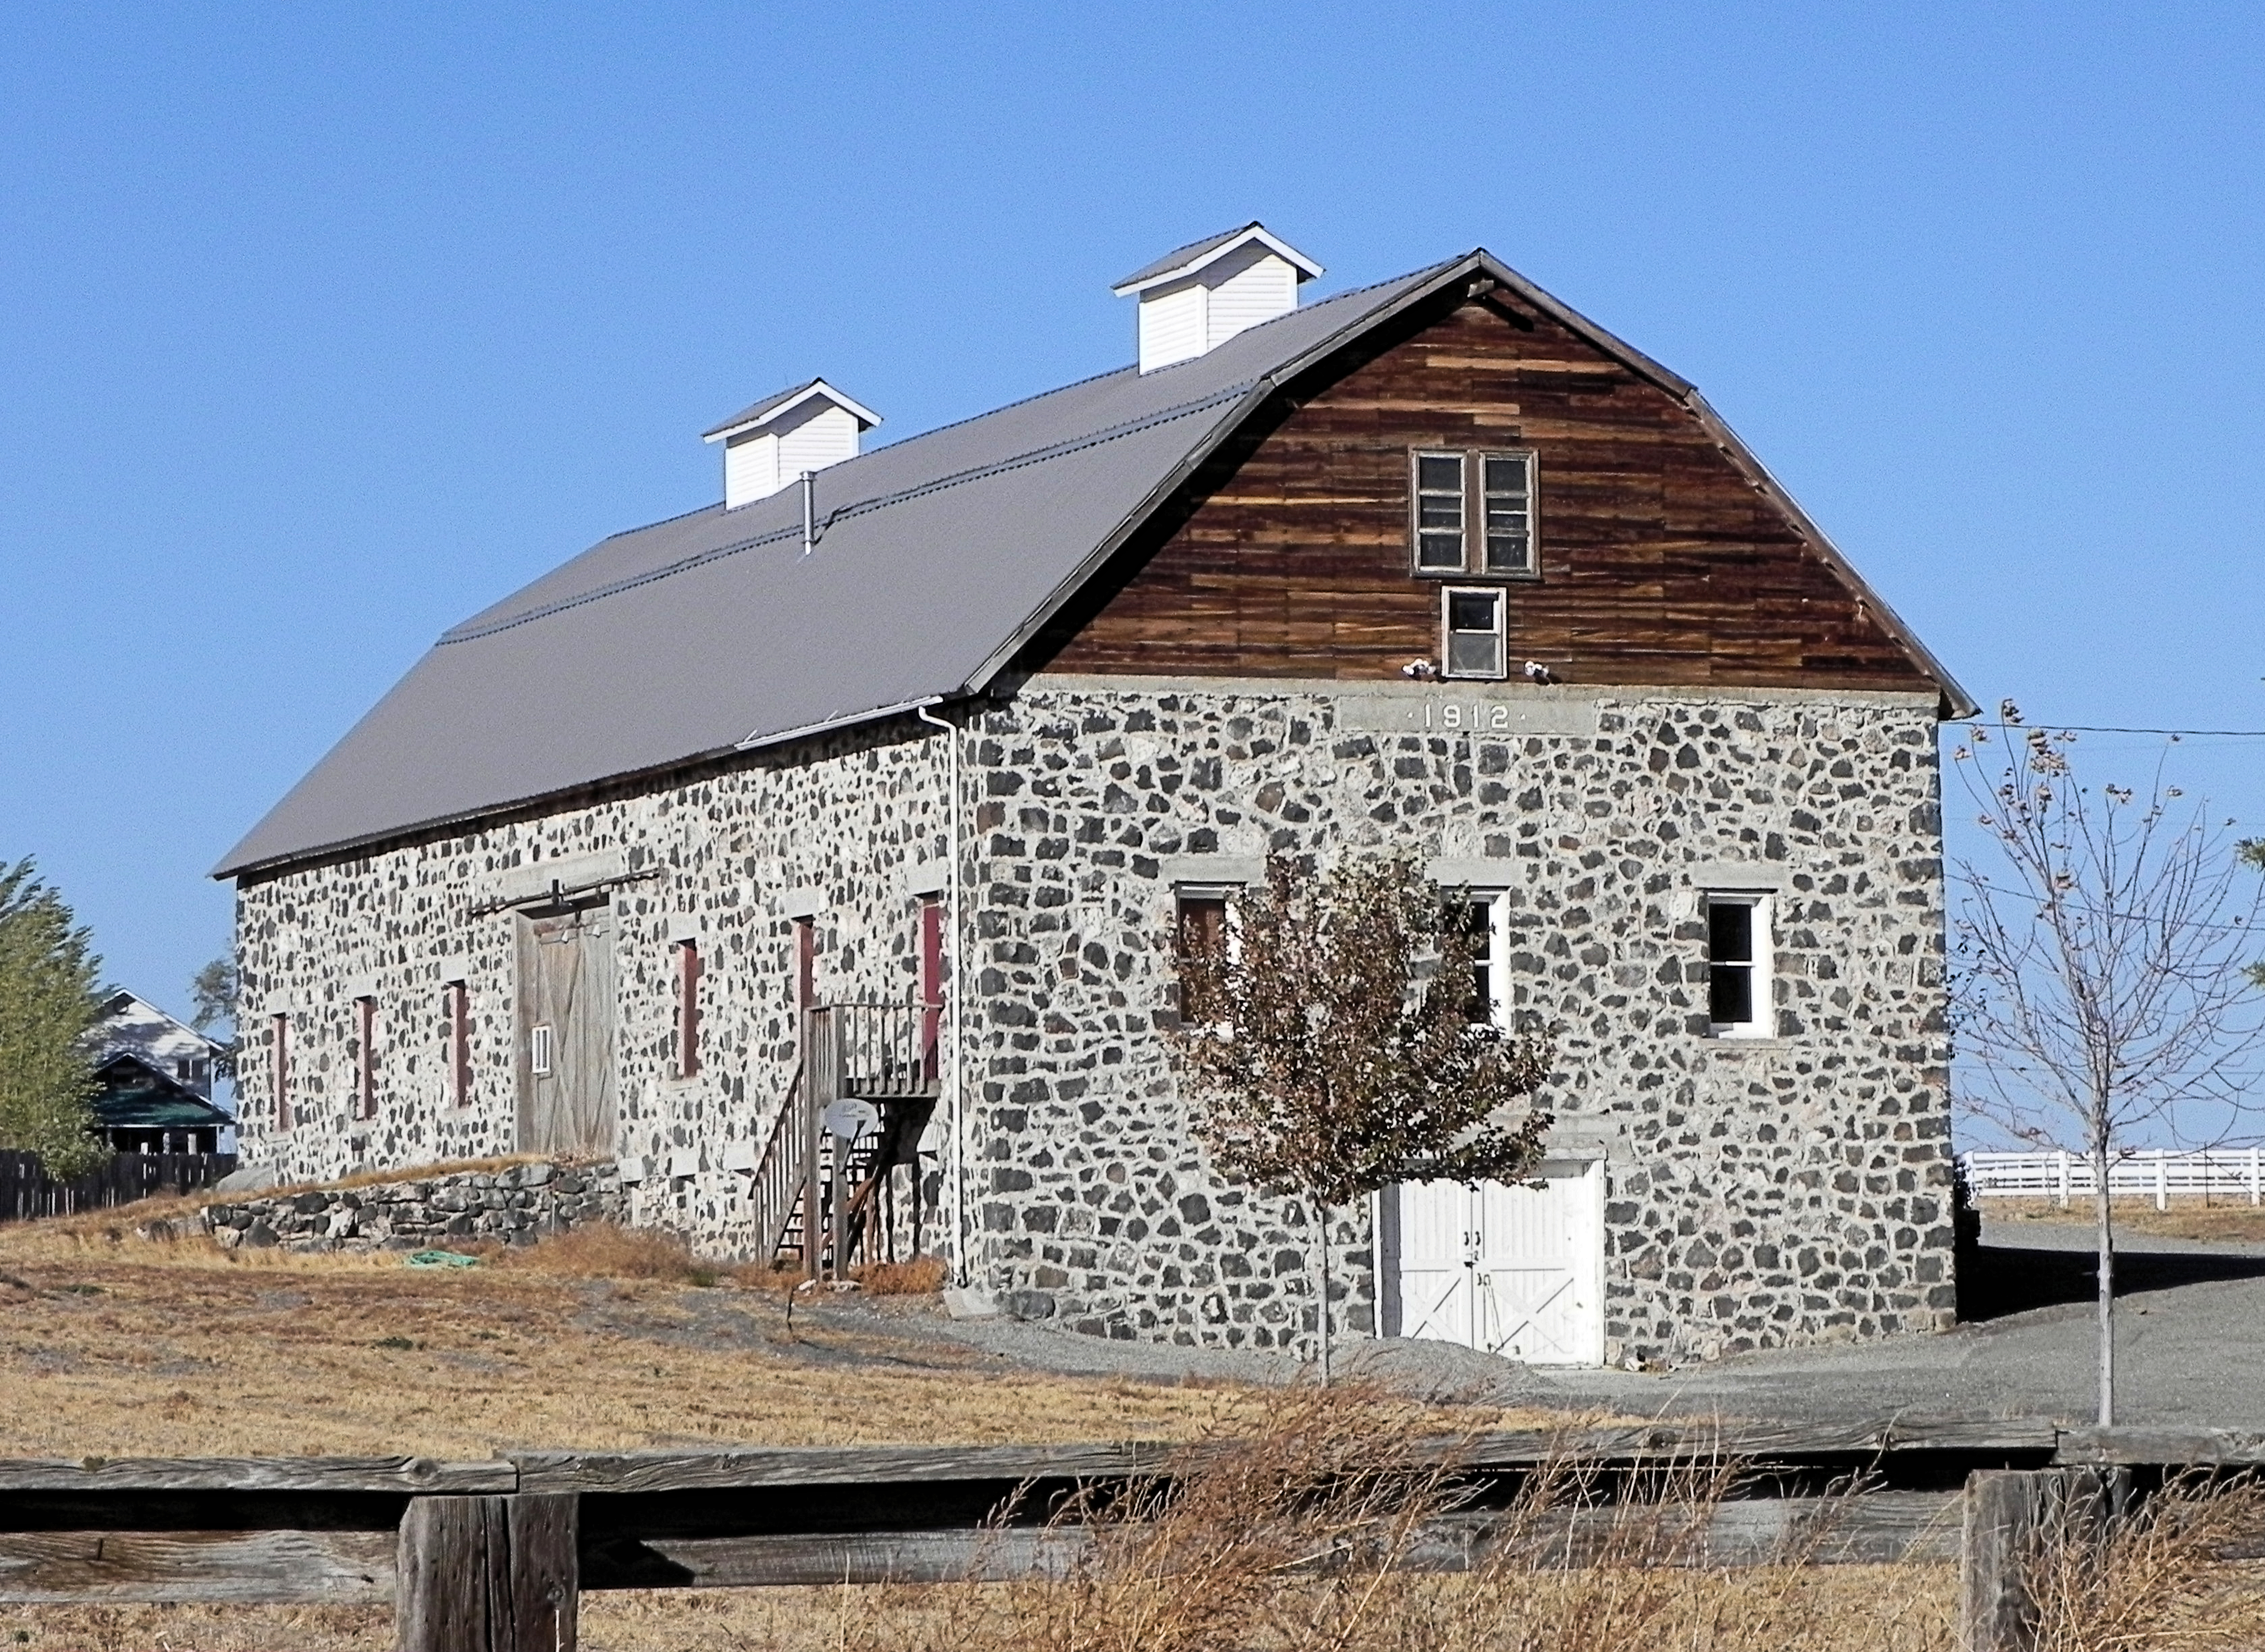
x=2158 y=1581
x=115 y=1345
x=2189 y=1216
x=922 y=1276
x=604 y=1250
x=1286 y=1540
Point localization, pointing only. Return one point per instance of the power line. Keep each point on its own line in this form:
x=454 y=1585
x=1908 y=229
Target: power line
x=2095 y=728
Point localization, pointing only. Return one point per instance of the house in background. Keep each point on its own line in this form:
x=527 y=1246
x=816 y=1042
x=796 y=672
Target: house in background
x=816 y=855
x=156 y=1077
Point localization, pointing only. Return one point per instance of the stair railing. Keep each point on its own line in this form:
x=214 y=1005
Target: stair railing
x=779 y=1173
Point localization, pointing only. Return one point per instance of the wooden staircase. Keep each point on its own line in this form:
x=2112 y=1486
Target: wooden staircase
x=810 y=1180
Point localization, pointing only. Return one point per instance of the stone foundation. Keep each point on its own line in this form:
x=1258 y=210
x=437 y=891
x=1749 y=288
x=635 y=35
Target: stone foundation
x=515 y=1205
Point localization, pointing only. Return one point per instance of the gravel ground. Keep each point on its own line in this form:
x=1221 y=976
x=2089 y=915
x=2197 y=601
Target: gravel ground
x=2190 y=1339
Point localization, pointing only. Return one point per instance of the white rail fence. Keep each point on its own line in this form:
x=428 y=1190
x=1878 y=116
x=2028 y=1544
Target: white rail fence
x=2062 y=1176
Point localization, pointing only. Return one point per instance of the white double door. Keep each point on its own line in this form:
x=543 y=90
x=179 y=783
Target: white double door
x=1515 y=1270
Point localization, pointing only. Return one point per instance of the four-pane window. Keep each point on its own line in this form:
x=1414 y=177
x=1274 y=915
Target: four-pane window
x=1738 y=976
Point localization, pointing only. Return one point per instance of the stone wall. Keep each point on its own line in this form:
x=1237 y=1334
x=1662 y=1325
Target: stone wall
x=1763 y=1191
x=516 y=1204
x=1760 y=1191
x=844 y=828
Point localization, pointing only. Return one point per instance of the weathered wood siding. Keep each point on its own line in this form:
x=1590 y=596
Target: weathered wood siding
x=1660 y=561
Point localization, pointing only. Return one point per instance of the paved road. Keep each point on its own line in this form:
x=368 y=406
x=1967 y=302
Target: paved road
x=2190 y=1347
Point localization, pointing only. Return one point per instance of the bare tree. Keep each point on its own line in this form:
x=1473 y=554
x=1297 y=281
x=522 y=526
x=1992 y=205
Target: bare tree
x=2103 y=987
x=1330 y=1045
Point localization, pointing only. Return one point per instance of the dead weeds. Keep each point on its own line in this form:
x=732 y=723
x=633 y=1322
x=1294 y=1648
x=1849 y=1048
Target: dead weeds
x=2189 y=1216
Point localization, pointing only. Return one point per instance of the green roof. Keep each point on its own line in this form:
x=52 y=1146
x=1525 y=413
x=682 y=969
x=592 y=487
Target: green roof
x=151 y=1108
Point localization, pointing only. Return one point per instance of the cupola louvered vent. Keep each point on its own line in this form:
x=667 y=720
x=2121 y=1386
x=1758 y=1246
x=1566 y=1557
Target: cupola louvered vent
x=1195 y=299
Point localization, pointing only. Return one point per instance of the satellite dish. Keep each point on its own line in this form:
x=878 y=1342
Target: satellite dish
x=850 y=1118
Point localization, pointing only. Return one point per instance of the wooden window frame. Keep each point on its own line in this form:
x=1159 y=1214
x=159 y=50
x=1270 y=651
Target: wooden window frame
x=1474 y=564
x=365 y=1057
x=279 y=1068
x=457 y=1007
x=1447 y=634
x=1761 y=1022
x=688 y=1008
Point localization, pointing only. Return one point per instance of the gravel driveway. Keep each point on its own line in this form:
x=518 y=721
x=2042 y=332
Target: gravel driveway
x=2190 y=1349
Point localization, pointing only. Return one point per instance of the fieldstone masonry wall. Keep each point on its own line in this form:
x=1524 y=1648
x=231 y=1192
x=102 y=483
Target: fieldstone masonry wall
x=1762 y=1191
x=517 y=1206
x=844 y=828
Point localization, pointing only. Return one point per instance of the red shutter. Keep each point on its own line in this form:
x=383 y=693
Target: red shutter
x=805 y=964
x=688 y=1008
x=931 y=979
x=281 y=1071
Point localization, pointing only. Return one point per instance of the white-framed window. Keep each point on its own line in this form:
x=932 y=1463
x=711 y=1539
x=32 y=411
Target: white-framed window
x=1737 y=964
x=1485 y=924
x=1204 y=932
x=1471 y=631
x=1440 y=513
x=1473 y=513
x=540 y=1040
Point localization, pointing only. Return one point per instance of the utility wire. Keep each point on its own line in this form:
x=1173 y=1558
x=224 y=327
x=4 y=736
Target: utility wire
x=2094 y=727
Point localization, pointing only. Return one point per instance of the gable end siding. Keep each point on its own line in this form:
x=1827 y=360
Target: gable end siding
x=1661 y=562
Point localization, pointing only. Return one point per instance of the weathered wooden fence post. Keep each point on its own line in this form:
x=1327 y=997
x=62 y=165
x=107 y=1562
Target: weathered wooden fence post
x=2018 y=1522
x=489 y=1574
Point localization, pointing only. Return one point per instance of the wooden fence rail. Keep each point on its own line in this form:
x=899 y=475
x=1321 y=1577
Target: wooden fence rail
x=27 y=1191
x=493 y=1556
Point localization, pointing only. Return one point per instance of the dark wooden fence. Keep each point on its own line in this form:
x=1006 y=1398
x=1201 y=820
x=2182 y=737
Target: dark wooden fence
x=26 y=1189
x=493 y=1556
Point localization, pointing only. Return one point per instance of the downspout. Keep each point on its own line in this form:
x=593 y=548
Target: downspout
x=955 y=1109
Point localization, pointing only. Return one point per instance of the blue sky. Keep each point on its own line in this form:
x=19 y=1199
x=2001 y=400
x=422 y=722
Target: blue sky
x=322 y=327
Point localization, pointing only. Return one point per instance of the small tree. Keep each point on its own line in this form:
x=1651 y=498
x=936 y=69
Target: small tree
x=212 y=997
x=2102 y=983
x=1331 y=1049
x=47 y=1003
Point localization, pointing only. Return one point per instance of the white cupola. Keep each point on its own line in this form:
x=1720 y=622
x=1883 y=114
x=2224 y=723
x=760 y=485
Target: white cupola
x=767 y=447
x=1198 y=298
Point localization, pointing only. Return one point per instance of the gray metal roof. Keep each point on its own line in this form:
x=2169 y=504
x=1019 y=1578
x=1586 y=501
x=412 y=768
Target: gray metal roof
x=1187 y=254
x=749 y=414
x=938 y=557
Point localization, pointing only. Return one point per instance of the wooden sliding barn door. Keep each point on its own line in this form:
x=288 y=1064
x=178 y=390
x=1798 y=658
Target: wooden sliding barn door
x=566 y=1031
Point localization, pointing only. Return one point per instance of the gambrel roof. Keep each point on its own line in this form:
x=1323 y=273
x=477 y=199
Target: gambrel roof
x=937 y=558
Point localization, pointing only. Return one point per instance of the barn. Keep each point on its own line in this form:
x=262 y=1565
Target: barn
x=815 y=857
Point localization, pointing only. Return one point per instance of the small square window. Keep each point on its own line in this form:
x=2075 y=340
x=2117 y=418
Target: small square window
x=1471 y=627
x=1738 y=973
